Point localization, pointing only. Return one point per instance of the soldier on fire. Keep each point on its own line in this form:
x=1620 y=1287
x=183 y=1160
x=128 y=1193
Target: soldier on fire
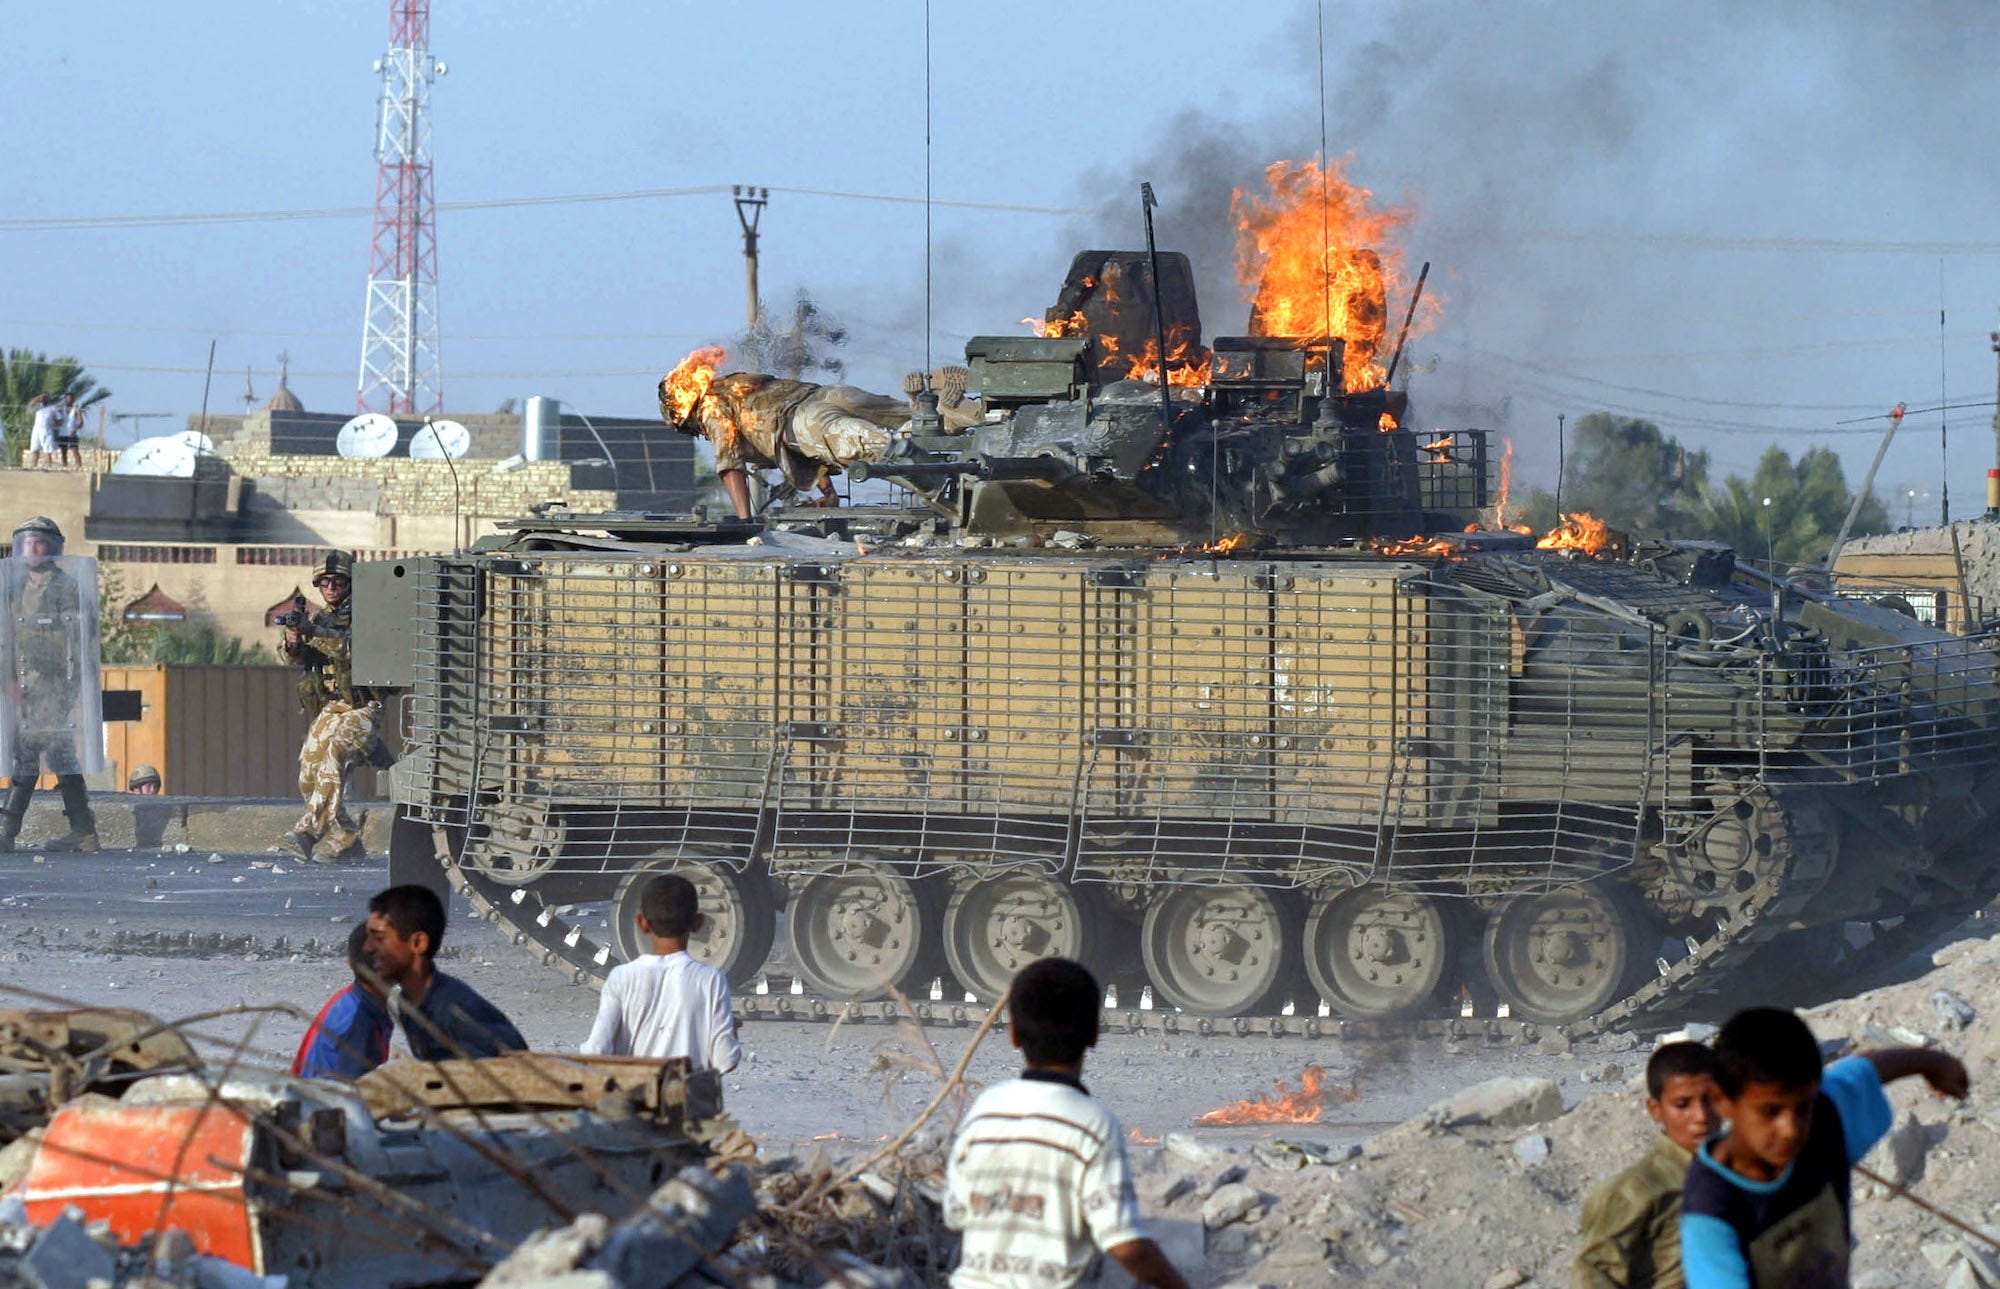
x=755 y=422
x=50 y=713
x=344 y=716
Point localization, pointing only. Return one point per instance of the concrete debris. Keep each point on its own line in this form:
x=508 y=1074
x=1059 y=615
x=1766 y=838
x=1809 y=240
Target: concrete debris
x=1506 y=1278
x=70 y=1253
x=1227 y=1177
x=1531 y=1149
x=1500 y=1103
x=1954 y=1013
x=1189 y=1150
x=1232 y=1203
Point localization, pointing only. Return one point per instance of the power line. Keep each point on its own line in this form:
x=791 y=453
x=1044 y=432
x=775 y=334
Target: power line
x=55 y=223
x=1784 y=245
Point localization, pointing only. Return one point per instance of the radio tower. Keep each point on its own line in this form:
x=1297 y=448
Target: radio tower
x=400 y=370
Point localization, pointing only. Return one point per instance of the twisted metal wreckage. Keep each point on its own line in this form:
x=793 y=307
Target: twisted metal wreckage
x=127 y=1155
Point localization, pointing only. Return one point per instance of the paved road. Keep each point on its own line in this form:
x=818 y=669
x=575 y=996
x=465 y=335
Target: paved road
x=258 y=894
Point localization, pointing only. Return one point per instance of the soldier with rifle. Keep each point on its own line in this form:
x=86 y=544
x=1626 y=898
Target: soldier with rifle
x=345 y=717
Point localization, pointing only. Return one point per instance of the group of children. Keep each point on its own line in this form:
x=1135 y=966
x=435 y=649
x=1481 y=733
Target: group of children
x=664 y=1003
x=1766 y=1200
x=1747 y=1186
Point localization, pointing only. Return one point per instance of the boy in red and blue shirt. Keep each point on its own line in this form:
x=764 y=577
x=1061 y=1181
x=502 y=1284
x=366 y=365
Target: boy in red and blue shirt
x=1767 y=1202
x=350 y=1036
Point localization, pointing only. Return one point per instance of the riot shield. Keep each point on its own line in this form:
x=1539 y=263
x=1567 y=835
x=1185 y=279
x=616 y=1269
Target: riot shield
x=51 y=704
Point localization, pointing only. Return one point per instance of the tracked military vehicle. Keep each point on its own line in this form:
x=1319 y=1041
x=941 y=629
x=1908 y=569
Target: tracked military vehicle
x=1217 y=685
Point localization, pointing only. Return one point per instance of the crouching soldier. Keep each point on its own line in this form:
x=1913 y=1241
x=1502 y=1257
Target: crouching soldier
x=345 y=718
x=51 y=716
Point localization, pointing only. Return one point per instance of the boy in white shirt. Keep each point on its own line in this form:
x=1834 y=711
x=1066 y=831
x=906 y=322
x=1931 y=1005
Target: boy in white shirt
x=665 y=1003
x=1038 y=1182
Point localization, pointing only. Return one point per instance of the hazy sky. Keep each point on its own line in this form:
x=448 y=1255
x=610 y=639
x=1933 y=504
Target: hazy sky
x=1729 y=218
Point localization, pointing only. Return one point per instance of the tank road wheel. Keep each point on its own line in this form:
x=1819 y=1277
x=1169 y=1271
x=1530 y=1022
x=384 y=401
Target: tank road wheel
x=1221 y=950
x=1560 y=957
x=994 y=928
x=742 y=917
x=1375 y=953
x=856 y=934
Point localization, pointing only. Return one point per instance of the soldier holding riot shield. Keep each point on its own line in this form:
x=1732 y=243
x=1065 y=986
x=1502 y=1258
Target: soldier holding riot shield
x=344 y=717
x=51 y=715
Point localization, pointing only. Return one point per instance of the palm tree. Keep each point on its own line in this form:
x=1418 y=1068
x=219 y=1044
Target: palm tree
x=24 y=375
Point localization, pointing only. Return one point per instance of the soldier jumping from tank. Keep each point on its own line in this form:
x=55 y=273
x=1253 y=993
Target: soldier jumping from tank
x=54 y=663
x=755 y=422
x=345 y=717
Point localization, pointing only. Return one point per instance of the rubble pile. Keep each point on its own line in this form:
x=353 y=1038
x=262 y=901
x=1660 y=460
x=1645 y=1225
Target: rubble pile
x=70 y=1253
x=1486 y=1187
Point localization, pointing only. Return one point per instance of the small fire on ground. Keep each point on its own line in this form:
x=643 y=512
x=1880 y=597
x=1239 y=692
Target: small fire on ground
x=1283 y=1105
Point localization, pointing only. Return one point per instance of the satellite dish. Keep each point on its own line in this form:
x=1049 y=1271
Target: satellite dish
x=165 y=456
x=368 y=435
x=201 y=443
x=438 y=440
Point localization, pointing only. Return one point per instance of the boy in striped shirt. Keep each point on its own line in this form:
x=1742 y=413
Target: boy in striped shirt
x=1038 y=1182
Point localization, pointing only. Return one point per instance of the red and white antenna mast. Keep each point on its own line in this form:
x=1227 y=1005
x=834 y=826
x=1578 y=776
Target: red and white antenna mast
x=400 y=366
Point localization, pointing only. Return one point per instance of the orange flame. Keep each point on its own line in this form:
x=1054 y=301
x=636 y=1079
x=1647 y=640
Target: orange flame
x=1418 y=545
x=1317 y=257
x=1506 y=481
x=1385 y=423
x=683 y=388
x=1228 y=545
x=1074 y=325
x=1183 y=371
x=1141 y=1139
x=1440 y=448
x=1282 y=1105
x=1579 y=532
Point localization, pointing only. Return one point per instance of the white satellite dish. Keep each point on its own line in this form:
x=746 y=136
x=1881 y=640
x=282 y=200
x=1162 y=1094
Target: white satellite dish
x=195 y=439
x=166 y=456
x=438 y=440
x=368 y=435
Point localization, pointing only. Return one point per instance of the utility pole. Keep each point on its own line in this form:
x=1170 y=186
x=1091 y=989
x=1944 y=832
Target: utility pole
x=750 y=204
x=1993 y=474
x=401 y=370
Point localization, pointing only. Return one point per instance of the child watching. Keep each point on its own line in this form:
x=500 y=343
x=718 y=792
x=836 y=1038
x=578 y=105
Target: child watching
x=1037 y=1179
x=350 y=1036
x=666 y=1003
x=1632 y=1223
x=1767 y=1203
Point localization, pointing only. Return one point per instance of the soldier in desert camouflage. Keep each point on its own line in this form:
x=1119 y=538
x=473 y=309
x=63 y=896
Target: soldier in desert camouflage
x=345 y=718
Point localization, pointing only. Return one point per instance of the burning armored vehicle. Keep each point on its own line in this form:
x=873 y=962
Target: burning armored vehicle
x=1214 y=681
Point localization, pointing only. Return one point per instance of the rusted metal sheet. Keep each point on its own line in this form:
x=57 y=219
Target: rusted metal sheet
x=667 y=1092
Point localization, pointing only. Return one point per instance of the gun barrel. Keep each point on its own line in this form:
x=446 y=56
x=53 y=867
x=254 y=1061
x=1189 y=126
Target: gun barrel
x=1045 y=469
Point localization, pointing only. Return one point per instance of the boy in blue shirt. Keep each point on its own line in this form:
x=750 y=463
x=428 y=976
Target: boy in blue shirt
x=350 y=1036
x=1767 y=1202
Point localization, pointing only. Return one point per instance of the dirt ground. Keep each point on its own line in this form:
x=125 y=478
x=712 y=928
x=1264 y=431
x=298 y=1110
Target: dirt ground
x=1371 y=1200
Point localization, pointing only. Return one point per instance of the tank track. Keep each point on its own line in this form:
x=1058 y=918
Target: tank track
x=1801 y=860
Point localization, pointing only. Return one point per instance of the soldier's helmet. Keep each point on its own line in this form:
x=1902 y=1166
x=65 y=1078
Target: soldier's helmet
x=39 y=525
x=141 y=776
x=338 y=564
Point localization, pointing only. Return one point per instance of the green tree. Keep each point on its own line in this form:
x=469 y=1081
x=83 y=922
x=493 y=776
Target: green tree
x=1809 y=498
x=1630 y=475
x=23 y=375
